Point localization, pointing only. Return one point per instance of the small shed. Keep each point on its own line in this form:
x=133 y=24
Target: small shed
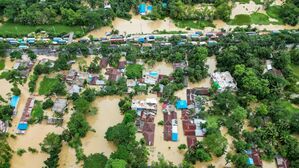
x=181 y=104
x=191 y=141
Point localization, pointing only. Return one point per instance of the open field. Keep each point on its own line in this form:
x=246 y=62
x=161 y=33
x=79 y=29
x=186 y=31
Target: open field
x=13 y=30
x=193 y=24
x=46 y=85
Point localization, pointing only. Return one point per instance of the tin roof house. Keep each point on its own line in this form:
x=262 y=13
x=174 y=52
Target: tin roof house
x=224 y=81
x=59 y=105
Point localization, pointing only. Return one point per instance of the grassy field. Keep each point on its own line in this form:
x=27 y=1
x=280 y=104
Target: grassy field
x=46 y=85
x=241 y=19
x=2 y=64
x=193 y=24
x=255 y=18
x=12 y=29
x=259 y=18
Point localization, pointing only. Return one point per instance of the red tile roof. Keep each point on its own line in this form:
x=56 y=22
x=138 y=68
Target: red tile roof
x=149 y=138
x=256 y=158
x=167 y=132
x=104 y=62
x=149 y=127
x=191 y=141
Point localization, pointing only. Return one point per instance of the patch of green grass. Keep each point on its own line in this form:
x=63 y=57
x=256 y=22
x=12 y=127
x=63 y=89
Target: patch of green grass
x=37 y=113
x=13 y=29
x=46 y=85
x=289 y=106
x=195 y=24
x=259 y=18
x=2 y=64
x=273 y=12
x=255 y=18
x=241 y=19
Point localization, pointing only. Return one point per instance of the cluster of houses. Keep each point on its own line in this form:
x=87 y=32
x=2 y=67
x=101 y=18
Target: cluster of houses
x=146 y=111
x=24 y=66
x=170 y=123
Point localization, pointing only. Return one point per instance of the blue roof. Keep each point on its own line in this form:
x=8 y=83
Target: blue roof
x=22 y=126
x=248 y=152
x=141 y=40
x=14 y=101
x=142 y=8
x=174 y=136
x=181 y=104
x=149 y=8
x=250 y=161
x=154 y=74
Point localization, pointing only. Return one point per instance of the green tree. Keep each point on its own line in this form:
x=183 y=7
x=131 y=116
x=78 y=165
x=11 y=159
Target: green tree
x=96 y=160
x=116 y=163
x=78 y=124
x=134 y=71
x=5 y=153
x=215 y=143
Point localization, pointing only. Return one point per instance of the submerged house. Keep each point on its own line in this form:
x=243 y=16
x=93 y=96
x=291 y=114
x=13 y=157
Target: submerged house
x=181 y=104
x=59 y=105
x=14 y=101
x=113 y=74
x=151 y=78
x=282 y=162
x=104 y=62
x=224 y=81
x=254 y=158
x=23 y=125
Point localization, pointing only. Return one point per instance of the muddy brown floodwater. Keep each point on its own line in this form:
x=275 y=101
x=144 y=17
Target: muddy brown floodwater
x=136 y=26
x=108 y=115
x=161 y=67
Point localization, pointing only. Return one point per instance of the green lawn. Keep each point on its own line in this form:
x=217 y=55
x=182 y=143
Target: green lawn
x=193 y=24
x=255 y=18
x=241 y=19
x=259 y=18
x=13 y=30
x=2 y=64
x=46 y=85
